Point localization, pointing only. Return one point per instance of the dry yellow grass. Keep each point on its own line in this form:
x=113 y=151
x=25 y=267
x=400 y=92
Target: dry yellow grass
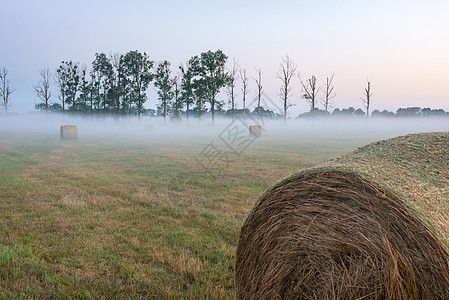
x=140 y=219
x=372 y=224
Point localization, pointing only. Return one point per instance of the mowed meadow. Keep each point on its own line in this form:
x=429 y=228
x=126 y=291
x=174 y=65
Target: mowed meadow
x=141 y=216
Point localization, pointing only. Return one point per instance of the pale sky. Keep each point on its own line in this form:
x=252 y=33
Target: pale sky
x=402 y=47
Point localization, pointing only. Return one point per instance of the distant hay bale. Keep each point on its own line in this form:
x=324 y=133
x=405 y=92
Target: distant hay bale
x=255 y=130
x=68 y=132
x=370 y=225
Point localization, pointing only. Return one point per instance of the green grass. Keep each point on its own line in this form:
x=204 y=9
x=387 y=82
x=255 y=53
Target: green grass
x=137 y=219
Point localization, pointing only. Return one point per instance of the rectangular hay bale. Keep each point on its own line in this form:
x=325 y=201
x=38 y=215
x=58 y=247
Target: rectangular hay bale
x=68 y=132
x=255 y=130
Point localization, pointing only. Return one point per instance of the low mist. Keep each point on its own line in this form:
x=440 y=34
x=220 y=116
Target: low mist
x=128 y=128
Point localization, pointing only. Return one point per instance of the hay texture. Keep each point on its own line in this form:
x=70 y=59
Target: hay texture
x=255 y=130
x=370 y=225
x=68 y=132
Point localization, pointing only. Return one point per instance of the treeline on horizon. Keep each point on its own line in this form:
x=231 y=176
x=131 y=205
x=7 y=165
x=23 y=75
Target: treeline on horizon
x=117 y=84
x=351 y=112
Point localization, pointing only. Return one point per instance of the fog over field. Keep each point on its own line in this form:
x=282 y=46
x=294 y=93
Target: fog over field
x=149 y=196
x=155 y=128
x=147 y=209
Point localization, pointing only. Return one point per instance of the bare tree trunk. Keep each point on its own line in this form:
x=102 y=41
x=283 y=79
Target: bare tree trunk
x=113 y=97
x=285 y=74
x=139 y=99
x=310 y=91
x=42 y=89
x=98 y=94
x=244 y=89
x=231 y=85
x=213 y=110
x=91 y=96
x=367 y=100
x=139 y=105
x=115 y=59
x=258 y=81
x=104 y=98
x=328 y=93
x=285 y=111
x=118 y=95
x=5 y=89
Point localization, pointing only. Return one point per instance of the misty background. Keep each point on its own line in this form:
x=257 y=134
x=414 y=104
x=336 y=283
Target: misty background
x=41 y=127
x=400 y=46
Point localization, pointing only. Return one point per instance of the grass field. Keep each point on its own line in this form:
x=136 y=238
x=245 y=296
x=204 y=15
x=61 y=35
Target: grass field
x=135 y=217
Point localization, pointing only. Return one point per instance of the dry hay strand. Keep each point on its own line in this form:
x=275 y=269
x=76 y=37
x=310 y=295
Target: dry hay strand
x=68 y=132
x=370 y=225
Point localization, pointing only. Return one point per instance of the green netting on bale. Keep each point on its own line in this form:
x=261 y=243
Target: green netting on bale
x=369 y=225
x=415 y=167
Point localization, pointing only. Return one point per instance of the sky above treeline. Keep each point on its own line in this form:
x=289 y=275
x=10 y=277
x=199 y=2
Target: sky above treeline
x=400 y=46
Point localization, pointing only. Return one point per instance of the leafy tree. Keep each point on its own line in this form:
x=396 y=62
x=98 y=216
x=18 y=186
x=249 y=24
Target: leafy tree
x=104 y=71
x=344 y=112
x=72 y=83
x=375 y=113
x=136 y=76
x=336 y=112
x=54 y=107
x=386 y=113
x=164 y=83
x=61 y=79
x=187 y=87
x=198 y=85
x=409 y=112
x=265 y=113
x=67 y=79
x=86 y=91
x=359 y=113
x=42 y=88
x=116 y=86
x=427 y=112
x=238 y=112
x=348 y=111
x=438 y=112
x=200 y=97
x=211 y=76
x=95 y=92
x=316 y=112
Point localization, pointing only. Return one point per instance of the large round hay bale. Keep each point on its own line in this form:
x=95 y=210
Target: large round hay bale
x=370 y=225
x=68 y=132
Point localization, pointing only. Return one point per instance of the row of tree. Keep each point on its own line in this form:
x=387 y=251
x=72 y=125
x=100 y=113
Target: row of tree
x=118 y=84
x=408 y=112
